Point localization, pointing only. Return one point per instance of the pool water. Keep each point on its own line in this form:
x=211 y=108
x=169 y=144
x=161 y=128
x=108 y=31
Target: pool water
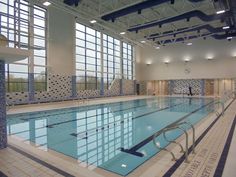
x=97 y=135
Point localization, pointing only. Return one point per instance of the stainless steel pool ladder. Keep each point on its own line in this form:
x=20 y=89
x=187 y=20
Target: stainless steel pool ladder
x=185 y=151
x=177 y=126
x=222 y=107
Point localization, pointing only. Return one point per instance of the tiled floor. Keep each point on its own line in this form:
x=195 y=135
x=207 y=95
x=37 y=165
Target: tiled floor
x=203 y=163
x=14 y=164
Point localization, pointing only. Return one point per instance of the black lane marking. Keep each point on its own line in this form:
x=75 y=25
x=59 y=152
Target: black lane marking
x=158 y=110
x=51 y=167
x=2 y=174
x=51 y=125
x=182 y=158
x=221 y=164
x=82 y=109
x=135 y=148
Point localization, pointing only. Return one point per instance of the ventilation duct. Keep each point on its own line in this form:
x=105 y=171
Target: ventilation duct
x=72 y=2
x=182 y=39
x=184 y=30
x=196 y=13
x=137 y=8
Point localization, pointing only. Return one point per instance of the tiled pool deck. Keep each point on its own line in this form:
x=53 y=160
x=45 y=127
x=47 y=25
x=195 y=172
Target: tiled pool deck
x=211 y=157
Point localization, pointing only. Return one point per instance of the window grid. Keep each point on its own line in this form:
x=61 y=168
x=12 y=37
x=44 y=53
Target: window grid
x=128 y=62
x=15 y=20
x=88 y=58
x=88 y=47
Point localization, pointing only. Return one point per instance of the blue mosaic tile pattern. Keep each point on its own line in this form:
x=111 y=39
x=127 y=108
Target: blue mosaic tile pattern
x=3 y=129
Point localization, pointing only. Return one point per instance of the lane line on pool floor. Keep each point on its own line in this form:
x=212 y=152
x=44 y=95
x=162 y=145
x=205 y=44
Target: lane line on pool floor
x=84 y=109
x=135 y=148
x=121 y=122
x=41 y=162
x=182 y=158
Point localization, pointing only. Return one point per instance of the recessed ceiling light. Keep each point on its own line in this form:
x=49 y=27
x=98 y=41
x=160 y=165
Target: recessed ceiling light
x=226 y=27
x=122 y=32
x=143 y=42
x=93 y=21
x=166 y=61
x=209 y=58
x=189 y=43
x=157 y=47
x=46 y=3
x=186 y=59
x=220 y=12
x=229 y=37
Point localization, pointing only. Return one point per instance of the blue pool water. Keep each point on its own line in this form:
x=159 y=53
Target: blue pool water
x=96 y=134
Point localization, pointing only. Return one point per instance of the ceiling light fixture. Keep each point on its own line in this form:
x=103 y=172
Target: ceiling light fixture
x=166 y=62
x=220 y=12
x=189 y=44
x=209 y=58
x=229 y=38
x=157 y=47
x=93 y=21
x=186 y=60
x=226 y=27
x=46 y=3
x=122 y=33
x=143 y=42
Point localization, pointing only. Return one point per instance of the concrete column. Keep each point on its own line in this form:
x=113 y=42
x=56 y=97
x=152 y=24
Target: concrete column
x=73 y=87
x=31 y=57
x=202 y=87
x=121 y=87
x=31 y=86
x=3 y=122
x=102 y=70
x=135 y=91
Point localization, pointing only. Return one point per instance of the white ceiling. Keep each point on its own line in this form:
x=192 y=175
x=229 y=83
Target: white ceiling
x=200 y=50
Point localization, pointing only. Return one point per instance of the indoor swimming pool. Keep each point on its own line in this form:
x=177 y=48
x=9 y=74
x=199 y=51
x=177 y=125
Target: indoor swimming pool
x=109 y=136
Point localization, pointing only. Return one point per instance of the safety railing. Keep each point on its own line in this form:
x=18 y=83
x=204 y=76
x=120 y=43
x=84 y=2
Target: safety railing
x=178 y=125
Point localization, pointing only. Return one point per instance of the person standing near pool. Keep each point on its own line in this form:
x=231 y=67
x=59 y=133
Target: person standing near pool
x=190 y=90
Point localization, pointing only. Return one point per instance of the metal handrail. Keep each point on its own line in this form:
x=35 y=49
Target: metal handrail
x=176 y=125
x=173 y=141
x=157 y=144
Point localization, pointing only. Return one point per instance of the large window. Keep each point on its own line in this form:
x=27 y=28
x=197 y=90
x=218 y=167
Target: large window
x=88 y=58
x=128 y=62
x=111 y=59
x=39 y=42
x=24 y=25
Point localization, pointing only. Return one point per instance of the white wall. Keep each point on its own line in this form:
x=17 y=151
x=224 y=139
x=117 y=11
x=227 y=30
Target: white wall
x=222 y=66
x=61 y=41
x=198 y=70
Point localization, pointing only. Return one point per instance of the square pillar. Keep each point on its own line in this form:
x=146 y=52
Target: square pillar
x=3 y=121
x=202 y=87
x=31 y=87
x=73 y=87
x=102 y=87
